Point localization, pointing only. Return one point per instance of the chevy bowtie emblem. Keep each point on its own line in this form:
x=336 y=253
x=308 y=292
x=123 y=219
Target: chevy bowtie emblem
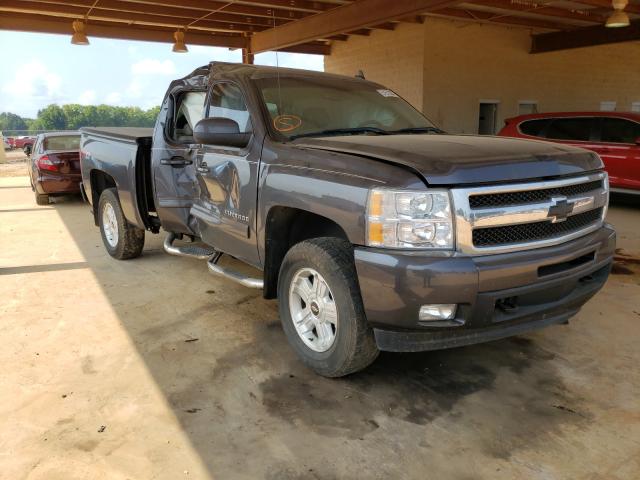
x=560 y=209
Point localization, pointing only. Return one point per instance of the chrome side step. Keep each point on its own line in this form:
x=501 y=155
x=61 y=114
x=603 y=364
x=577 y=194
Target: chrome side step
x=213 y=256
x=186 y=250
x=237 y=277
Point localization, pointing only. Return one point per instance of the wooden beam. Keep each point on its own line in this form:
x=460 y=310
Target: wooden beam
x=202 y=6
x=140 y=19
x=541 y=9
x=345 y=18
x=27 y=7
x=120 y=7
x=301 y=5
x=606 y=4
x=486 y=17
x=38 y=24
x=308 y=48
x=364 y=32
x=584 y=37
x=384 y=26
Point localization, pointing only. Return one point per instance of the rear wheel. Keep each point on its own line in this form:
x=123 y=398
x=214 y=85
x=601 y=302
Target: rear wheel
x=321 y=308
x=122 y=240
x=42 y=199
x=27 y=150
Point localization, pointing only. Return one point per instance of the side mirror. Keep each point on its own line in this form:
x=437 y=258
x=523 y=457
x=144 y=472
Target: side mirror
x=220 y=131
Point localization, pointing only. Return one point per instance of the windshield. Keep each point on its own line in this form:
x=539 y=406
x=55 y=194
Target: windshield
x=315 y=106
x=70 y=142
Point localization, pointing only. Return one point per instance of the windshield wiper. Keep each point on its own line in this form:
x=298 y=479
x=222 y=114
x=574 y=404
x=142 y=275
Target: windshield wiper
x=418 y=130
x=341 y=131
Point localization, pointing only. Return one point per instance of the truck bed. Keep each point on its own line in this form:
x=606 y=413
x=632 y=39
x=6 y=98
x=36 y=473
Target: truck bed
x=124 y=133
x=121 y=157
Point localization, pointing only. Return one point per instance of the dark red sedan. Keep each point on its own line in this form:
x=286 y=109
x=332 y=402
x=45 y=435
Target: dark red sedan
x=55 y=165
x=615 y=136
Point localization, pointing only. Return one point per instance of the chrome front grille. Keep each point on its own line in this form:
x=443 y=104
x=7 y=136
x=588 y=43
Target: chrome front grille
x=531 y=196
x=503 y=218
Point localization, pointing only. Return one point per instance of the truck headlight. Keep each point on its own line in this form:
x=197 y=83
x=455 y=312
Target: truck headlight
x=409 y=219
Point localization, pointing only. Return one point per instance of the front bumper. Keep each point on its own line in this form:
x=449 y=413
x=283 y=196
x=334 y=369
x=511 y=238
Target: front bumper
x=497 y=295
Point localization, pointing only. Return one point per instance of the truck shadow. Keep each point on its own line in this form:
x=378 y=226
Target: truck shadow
x=218 y=353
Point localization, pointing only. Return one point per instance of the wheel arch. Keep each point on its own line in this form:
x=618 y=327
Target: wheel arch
x=99 y=181
x=285 y=227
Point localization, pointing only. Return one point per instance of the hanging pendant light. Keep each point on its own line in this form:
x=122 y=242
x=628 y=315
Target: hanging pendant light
x=179 y=45
x=619 y=17
x=79 y=37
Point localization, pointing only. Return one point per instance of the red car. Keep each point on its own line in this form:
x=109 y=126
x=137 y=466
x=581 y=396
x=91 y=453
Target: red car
x=25 y=143
x=615 y=136
x=55 y=165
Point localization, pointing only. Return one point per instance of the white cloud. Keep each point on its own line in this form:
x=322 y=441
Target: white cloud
x=33 y=79
x=114 y=98
x=32 y=86
x=150 y=66
x=143 y=80
x=88 y=97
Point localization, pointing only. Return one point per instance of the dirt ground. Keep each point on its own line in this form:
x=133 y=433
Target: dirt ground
x=15 y=164
x=154 y=369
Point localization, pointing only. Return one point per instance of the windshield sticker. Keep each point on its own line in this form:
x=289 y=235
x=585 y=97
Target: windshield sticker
x=286 y=123
x=387 y=93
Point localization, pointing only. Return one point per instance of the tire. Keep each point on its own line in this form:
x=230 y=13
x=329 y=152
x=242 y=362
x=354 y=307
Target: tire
x=124 y=241
x=27 y=150
x=353 y=346
x=42 y=199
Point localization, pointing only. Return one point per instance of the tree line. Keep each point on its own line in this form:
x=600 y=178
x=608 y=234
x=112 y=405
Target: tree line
x=74 y=116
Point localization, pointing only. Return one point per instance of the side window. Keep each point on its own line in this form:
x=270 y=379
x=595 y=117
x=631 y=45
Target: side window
x=619 y=130
x=570 y=129
x=189 y=111
x=226 y=101
x=534 y=127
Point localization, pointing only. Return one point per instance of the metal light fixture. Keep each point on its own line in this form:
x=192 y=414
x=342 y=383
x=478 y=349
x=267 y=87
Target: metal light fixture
x=79 y=37
x=619 y=17
x=179 y=45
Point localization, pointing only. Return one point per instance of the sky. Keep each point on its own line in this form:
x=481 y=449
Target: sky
x=41 y=69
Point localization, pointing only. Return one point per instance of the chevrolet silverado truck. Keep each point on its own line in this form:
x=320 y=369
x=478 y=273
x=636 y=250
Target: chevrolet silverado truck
x=374 y=229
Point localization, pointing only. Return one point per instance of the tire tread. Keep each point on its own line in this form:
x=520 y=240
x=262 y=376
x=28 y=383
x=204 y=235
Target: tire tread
x=362 y=349
x=130 y=238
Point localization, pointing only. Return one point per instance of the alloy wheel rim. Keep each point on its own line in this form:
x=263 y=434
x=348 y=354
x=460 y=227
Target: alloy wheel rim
x=110 y=225
x=313 y=310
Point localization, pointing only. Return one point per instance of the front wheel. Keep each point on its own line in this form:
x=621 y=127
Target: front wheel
x=321 y=309
x=122 y=240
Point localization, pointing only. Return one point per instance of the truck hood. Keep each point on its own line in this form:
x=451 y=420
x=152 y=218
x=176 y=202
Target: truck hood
x=464 y=159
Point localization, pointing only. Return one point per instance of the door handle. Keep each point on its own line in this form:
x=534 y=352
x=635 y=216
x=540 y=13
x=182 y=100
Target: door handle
x=176 y=162
x=202 y=168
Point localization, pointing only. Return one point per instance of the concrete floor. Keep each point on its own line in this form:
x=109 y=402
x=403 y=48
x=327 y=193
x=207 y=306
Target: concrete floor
x=152 y=368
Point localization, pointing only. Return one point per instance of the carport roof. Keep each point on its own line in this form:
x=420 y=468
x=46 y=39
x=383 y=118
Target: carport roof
x=310 y=26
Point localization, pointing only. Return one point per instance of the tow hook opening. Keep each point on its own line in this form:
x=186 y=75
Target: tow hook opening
x=507 y=305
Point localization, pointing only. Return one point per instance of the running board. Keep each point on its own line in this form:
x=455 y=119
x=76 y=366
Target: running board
x=186 y=250
x=237 y=277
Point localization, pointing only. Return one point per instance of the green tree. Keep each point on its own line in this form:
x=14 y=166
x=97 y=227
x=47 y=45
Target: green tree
x=52 y=118
x=11 y=121
x=74 y=116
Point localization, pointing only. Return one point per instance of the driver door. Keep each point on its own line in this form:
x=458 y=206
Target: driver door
x=173 y=166
x=225 y=210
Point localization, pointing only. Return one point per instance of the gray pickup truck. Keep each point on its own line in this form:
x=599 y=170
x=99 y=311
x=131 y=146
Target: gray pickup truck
x=373 y=228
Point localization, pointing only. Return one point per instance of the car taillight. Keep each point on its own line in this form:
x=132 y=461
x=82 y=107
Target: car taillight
x=45 y=163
